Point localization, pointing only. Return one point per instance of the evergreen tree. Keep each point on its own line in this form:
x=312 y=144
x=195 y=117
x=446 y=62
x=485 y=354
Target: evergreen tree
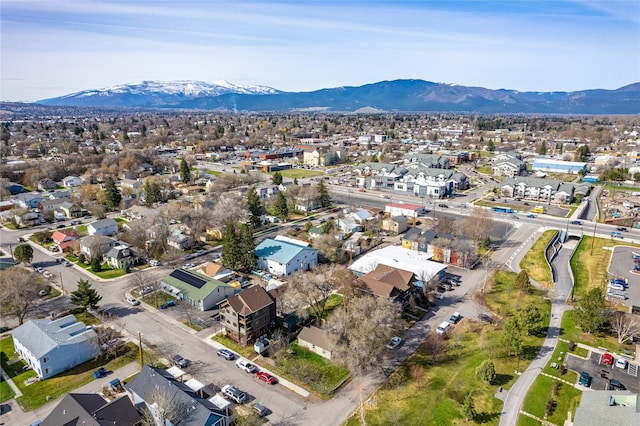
x=277 y=178
x=230 y=247
x=543 y=148
x=469 y=407
x=247 y=248
x=295 y=181
x=512 y=336
x=280 y=206
x=96 y=266
x=85 y=296
x=529 y=318
x=522 y=281
x=112 y=195
x=23 y=253
x=152 y=193
x=486 y=371
x=254 y=206
x=491 y=146
x=324 y=199
x=185 y=171
x=590 y=312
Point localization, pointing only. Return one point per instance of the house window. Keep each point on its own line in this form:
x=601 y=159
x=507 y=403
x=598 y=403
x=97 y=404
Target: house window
x=47 y=370
x=45 y=359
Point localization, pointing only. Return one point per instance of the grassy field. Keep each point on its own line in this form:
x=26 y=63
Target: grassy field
x=310 y=370
x=299 y=173
x=564 y=177
x=590 y=267
x=35 y=394
x=485 y=170
x=617 y=187
x=438 y=384
x=569 y=331
x=6 y=393
x=245 y=351
x=108 y=274
x=535 y=262
x=333 y=301
x=558 y=357
x=157 y=298
x=214 y=173
x=567 y=399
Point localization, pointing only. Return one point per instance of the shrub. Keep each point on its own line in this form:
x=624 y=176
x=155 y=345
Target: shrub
x=551 y=405
x=572 y=345
x=563 y=369
x=555 y=389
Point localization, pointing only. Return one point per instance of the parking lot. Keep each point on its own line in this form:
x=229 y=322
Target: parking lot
x=601 y=374
x=622 y=265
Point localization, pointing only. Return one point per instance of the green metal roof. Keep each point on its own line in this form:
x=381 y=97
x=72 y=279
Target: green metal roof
x=192 y=292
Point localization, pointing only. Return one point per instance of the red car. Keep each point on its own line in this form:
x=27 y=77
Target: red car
x=607 y=359
x=266 y=377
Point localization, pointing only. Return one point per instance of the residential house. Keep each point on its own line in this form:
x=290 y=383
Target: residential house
x=510 y=165
x=54 y=195
x=404 y=209
x=134 y=185
x=13 y=188
x=121 y=256
x=216 y=271
x=417 y=239
x=180 y=241
x=65 y=239
x=51 y=347
x=103 y=227
x=152 y=385
x=283 y=258
x=90 y=409
x=605 y=407
x=248 y=314
x=321 y=155
x=431 y=161
x=388 y=281
x=453 y=250
x=316 y=340
x=349 y=225
x=315 y=232
x=70 y=210
x=27 y=219
x=96 y=246
x=542 y=190
x=27 y=200
x=71 y=181
x=47 y=184
x=395 y=224
x=199 y=290
x=51 y=206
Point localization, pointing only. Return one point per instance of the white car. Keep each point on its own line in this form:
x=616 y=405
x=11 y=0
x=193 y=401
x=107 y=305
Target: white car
x=394 y=342
x=246 y=366
x=133 y=301
x=622 y=363
x=47 y=274
x=439 y=296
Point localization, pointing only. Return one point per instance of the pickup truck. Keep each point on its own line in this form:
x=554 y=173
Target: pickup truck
x=100 y=372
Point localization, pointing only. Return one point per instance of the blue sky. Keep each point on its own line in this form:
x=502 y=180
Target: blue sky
x=52 y=48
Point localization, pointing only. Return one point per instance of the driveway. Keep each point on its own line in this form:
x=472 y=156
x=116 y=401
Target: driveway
x=621 y=266
x=600 y=373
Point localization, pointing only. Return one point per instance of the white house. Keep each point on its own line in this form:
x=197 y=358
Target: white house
x=71 y=181
x=102 y=227
x=316 y=340
x=404 y=209
x=285 y=257
x=51 y=347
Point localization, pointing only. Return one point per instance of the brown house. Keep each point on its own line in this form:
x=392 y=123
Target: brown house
x=386 y=281
x=247 y=315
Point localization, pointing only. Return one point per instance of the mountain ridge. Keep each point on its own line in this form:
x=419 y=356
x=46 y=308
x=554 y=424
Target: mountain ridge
x=403 y=95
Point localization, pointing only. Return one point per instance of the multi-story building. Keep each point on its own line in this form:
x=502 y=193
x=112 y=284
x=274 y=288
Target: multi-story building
x=247 y=315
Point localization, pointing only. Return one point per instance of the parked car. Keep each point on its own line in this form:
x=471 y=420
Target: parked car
x=395 y=342
x=622 y=363
x=455 y=317
x=234 y=394
x=100 y=372
x=607 y=359
x=246 y=366
x=47 y=274
x=616 y=385
x=168 y=304
x=146 y=290
x=439 y=296
x=180 y=361
x=576 y=222
x=43 y=292
x=260 y=410
x=442 y=205
x=154 y=262
x=622 y=229
x=443 y=327
x=133 y=301
x=531 y=216
x=226 y=354
x=266 y=377
x=67 y=263
x=585 y=379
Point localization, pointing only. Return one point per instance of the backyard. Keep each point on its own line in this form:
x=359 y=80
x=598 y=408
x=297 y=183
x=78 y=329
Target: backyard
x=39 y=393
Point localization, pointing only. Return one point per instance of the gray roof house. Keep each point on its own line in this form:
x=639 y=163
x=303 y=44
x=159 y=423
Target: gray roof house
x=153 y=385
x=316 y=340
x=102 y=227
x=27 y=200
x=601 y=407
x=96 y=246
x=90 y=409
x=51 y=347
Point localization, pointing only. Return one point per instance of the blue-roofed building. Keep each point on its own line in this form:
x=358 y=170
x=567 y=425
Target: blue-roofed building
x=558 y=166
x=51 y=347
x=282 y=258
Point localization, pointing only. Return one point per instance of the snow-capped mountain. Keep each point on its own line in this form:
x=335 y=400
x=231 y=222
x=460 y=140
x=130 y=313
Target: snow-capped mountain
x=393 y=96
x=161 y=94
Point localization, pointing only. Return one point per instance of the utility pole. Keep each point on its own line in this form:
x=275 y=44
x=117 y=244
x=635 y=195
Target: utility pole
x=61 y=284
x=140 y=350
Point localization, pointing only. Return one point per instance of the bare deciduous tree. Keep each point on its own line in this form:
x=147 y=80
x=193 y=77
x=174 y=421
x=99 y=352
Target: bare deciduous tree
x=166 y=406
x=311 y=289
x=231 y=208
x=19 y=288
x=478 y=224
x=626 y=326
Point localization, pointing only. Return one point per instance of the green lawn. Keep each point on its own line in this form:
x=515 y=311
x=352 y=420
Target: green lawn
x=109 y=273
x=569 y=331
x=214 y=172
x=567 y=400
x=35 y=395
x=10 y=225
x=245 y=351
x=617 y=187
x=157 y=298
x=485 y=170
x=535 y=262
x=299 y=173
x=558 y=357
x=310 y=370
x=6 y=393
x=333 y=301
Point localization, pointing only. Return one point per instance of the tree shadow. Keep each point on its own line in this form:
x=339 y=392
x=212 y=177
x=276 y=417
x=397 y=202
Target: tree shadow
x=501 y=379
x=486 y=417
